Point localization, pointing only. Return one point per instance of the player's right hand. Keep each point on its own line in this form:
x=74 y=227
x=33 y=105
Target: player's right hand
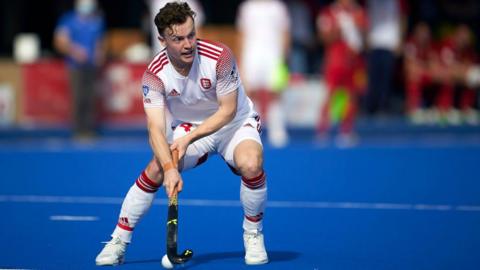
x=173 y=182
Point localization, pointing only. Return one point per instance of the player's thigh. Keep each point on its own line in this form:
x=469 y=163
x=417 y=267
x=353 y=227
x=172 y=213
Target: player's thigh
x=197 y=152
x=244 y=149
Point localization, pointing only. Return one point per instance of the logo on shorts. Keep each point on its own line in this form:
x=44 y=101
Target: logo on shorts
x=146 y=89
x=174 y=93
x=205 y=83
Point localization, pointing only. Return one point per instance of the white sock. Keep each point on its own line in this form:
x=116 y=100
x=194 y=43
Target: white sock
x=253 y=195
x=137 y=202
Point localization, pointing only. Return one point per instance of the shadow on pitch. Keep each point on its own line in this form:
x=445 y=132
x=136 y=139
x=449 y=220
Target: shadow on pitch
x=198 y=259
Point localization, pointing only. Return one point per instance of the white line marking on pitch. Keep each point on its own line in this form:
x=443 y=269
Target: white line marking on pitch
x=74 y=218
x=235 y=203
x=14 y=269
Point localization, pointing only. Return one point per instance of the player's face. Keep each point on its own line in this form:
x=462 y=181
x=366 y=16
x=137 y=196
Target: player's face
x=181 y=42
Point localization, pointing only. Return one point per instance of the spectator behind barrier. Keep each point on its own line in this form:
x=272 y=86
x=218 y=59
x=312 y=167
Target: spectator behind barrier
x=79 y=37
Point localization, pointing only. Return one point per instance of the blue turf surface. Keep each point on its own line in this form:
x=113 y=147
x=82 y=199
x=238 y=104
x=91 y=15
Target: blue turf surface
x=385 y=204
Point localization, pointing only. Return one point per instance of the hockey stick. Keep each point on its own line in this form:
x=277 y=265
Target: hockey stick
x=172 y=227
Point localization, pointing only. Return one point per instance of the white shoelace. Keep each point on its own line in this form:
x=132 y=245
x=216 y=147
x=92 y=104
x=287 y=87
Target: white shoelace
x=253 y=241
x=114 y=242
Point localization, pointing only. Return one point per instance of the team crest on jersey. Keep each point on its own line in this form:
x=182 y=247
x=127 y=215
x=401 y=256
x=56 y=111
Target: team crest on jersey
x=146 y=89
x=205 y=83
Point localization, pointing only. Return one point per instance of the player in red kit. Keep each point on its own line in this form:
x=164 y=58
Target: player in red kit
x=457 y=98
x=341 y=27
x=419 y=54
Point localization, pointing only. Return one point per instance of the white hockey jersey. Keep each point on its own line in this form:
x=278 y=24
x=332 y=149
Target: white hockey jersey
x=193 y=98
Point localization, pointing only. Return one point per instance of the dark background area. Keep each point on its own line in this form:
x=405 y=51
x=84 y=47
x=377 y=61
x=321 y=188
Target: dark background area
x=41 y=16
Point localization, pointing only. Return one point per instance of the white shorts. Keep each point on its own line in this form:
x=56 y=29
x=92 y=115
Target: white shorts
x=222 y=142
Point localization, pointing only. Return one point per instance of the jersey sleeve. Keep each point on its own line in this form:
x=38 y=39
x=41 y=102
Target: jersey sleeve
x=153 y=91
x=228 y=78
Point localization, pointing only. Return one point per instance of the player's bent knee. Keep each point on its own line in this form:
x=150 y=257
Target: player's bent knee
x=249 y=158
x=250 y=166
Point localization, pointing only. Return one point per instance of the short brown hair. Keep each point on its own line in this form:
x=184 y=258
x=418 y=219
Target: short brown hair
x=171 y=14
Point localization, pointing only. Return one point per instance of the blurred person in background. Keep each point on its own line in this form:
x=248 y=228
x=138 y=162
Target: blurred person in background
x=302 y=39
x=457 y=103
x=384 y=40
x=264 y=28
x=156 y=5
x=341 y=27
x=79 y=37
x=419 y=54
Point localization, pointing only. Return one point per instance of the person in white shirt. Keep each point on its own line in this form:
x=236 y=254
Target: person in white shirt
x=264 y=27
x=197 y=81
x=384 y=43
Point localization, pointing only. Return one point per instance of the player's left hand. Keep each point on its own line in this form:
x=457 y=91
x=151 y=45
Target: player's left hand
x=180 y=145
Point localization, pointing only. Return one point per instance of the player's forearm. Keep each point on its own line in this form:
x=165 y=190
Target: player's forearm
x=159 y=144
x=213 y=124
x=62 y=43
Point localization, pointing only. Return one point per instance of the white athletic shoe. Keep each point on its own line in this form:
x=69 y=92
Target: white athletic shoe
x=255 y=252
x=113 y=253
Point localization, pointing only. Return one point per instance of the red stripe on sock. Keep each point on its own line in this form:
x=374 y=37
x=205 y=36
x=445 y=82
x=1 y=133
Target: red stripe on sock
x=146 y=184
x=124 y=227
x=149 y=181
x=144 y=187
x=256 y=218
x=255 y=182
x=244 y=179
x=260 y=185
x=255 y=186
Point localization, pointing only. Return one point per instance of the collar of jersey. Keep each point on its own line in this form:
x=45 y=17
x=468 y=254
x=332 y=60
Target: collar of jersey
x=176 y=73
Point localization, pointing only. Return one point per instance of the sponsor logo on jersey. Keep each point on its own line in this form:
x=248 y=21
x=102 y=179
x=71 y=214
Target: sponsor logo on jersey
x=205 y=83
x=146 y=89
x=173 y=93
